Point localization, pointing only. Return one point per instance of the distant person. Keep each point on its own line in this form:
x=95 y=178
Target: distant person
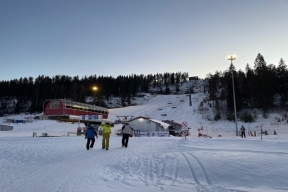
x=243 y=132
x=127 y=130
x=79 y=131
x=90 y=136
x=106 y=131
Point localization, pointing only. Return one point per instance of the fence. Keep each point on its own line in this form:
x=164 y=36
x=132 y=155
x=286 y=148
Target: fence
x=268 y=132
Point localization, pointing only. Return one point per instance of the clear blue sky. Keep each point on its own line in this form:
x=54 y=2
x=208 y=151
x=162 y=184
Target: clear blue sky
x=123 y=37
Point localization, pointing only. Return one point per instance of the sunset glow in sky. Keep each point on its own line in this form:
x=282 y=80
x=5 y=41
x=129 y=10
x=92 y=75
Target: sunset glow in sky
x=126 y=37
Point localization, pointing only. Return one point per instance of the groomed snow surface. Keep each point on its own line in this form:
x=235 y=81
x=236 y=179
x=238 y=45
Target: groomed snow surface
x=169 y=164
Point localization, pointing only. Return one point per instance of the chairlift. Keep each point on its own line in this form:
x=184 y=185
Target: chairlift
x=181 y=100
x=169 y=102
x=160 y=108
x=164 y=113
x=174 y=106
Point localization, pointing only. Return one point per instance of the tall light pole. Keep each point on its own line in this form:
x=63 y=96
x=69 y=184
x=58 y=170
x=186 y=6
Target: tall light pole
x=231 y=58
x=94 y=89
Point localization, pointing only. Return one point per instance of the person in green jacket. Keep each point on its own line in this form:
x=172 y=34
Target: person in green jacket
x=106 y=131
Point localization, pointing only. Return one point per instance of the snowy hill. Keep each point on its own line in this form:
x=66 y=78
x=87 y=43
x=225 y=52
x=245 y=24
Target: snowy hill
x=169 y=164
x=178 y=109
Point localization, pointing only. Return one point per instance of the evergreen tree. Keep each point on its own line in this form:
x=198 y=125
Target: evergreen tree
x=282 y=79
x=250 y=85
x=263 y=92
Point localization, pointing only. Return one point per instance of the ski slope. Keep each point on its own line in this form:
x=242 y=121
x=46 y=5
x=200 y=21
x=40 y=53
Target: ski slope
x=150 y=108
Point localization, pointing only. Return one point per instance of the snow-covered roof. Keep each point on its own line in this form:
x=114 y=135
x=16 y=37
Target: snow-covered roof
x=164 y=125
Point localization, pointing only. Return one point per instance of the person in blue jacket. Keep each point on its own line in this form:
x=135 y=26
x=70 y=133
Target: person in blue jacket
x=90 y=136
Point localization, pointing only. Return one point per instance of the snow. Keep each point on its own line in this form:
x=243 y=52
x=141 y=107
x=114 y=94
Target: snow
x=168 y=164
x=164 y=125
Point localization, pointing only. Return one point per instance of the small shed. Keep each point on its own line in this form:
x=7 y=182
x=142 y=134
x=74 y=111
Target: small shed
x=146 y=126
x=6 y=128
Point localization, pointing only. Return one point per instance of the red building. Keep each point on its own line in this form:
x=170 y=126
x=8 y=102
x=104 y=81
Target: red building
x=55 y=108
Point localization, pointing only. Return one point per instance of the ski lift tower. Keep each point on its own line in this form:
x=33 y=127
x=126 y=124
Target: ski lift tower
x=190 y=100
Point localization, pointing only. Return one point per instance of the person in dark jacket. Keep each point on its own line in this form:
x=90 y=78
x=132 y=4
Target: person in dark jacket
x=127 y=130
x=90 y=136
x=243 y=132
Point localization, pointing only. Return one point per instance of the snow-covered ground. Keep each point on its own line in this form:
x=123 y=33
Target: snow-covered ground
x=226 y=163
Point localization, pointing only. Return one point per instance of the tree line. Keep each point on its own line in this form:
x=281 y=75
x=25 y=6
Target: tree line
x=264 y=87
x=29 y=94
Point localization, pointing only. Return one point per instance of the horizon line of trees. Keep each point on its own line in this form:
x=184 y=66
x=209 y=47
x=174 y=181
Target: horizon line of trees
x=259 y=87
x=30 y=93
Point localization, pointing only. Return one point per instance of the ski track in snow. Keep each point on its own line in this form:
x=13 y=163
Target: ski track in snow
x=236 y=150
x=163 y=169
x=198 y=172
x=149 y=174
x=60 y=164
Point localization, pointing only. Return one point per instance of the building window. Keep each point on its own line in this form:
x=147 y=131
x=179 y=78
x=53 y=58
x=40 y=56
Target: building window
x=68 y=105
x=54 y=104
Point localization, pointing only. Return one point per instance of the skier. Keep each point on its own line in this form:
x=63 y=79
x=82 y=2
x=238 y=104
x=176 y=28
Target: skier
x=90 y=136
x=243 y=132
x=127 y=130
x=106 y=131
